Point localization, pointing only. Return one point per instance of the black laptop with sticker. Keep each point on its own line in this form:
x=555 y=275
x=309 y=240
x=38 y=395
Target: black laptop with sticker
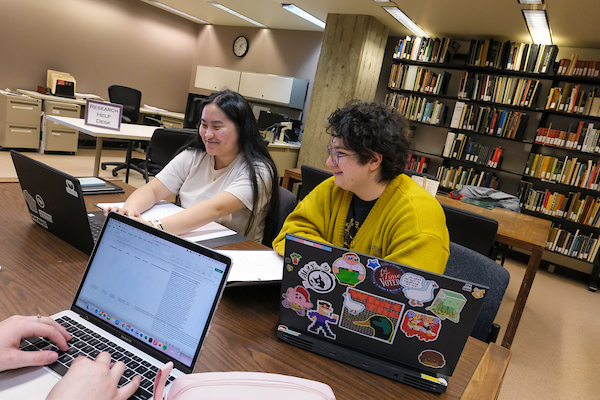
x=404 y=323
x=55 y=202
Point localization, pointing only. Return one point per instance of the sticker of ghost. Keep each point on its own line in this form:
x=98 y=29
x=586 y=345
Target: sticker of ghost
x=348 y=269
x=297 y=299
x=321 y=318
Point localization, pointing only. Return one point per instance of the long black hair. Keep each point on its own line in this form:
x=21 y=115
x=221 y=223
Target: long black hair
x=251 y=145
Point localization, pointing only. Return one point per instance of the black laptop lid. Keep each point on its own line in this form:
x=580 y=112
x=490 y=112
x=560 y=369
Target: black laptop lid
x=386 y=310
x=55 y=201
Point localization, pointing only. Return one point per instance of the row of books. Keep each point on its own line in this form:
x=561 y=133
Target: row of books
x=417 y=108
x=462 y=147
x=576 y=67
x=573 y=206
x=418 y=48
x=488 y=120
x=573 y=244
x=417 y=163
x=498 y=89
x=456 y=178
x=570 y=171
x=418 y=79
x=534 y=58
x=573 y=99
x=581 y=139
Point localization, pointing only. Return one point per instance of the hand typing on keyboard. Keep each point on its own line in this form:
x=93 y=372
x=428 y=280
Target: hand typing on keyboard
x=17 y=327
x=94 y=380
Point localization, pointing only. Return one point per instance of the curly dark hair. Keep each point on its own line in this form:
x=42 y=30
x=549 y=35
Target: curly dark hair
x=373 y=128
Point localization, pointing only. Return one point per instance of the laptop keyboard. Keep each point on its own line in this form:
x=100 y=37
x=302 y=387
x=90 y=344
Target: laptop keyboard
x=96 y=228
x=88 y=343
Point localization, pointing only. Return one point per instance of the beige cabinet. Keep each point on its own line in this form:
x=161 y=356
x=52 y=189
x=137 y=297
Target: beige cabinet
x=170 y=122
x=215 y=78
x=56 y=137
x=280 y=90
x=285 y=156
x=19 y=121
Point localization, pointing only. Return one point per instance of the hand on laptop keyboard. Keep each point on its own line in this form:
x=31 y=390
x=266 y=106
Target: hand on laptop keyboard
x=13 y=329
x=97 y=380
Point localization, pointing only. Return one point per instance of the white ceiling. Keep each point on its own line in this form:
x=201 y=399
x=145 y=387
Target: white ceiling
x=574 y=23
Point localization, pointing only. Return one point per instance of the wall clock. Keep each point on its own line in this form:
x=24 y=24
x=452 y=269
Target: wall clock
x=240 y=46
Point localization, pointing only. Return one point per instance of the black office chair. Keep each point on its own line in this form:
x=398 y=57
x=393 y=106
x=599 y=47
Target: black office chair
x=131 y=100
x=164 y=144
x=287 y=203
x=468 y=265
x=471 y=230
x=311 y=178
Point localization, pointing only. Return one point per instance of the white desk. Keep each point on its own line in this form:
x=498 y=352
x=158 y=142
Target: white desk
x=128 y=132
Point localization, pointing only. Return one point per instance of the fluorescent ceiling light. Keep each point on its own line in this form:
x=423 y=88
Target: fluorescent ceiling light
x=237 y=14
x=303 y=14
x=404 y=20
x=531 y=1
x=537 y=23
x=178 y=12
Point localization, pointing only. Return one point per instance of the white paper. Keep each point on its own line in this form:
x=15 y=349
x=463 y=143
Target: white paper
x=254 y=265
x=428 y=184
x=164 y=209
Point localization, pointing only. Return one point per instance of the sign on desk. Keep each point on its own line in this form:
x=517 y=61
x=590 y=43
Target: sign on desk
x=103 y=115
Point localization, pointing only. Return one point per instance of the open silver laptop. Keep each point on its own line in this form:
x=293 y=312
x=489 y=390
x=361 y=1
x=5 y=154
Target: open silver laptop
x=146 y=296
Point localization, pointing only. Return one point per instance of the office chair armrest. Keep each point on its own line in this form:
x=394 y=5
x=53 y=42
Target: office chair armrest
x=125 y=119
x=152 y=121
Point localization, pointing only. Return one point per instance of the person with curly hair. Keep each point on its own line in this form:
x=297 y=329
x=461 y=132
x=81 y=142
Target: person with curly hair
x=369 y=205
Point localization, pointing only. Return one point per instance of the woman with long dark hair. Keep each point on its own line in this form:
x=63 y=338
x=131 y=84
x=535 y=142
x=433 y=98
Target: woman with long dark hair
x=225 y=174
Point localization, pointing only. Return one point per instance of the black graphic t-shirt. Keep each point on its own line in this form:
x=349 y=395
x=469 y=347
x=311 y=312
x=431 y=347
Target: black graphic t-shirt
x=357 y=213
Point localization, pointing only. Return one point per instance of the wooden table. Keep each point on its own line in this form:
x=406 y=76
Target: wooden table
x=514 y=229
x=41 y=273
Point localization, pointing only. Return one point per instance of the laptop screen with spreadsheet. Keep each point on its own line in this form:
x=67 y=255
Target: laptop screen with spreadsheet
x=157 y=291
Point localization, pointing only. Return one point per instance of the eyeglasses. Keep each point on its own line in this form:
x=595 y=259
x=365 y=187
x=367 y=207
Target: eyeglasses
x=335 y=156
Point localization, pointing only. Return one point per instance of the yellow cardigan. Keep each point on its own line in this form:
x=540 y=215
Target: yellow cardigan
x=406 y=225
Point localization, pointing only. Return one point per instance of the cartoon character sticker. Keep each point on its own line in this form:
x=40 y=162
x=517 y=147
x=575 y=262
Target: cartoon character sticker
x=298 y=299
x=478 y=293
x=432 y=358
x=348 y=269
x=317 y=277
x=370 y=315
x=425 y=327
x=448 y=305
x=417 y=289
x=295 y=258
x=321 y=318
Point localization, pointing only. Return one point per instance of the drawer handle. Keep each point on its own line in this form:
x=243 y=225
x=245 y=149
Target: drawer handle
x=22 y=107
x=21 y=130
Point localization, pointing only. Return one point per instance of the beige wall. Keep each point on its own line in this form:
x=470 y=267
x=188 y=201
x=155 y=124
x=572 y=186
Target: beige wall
x=271 y=51
x=100 y=42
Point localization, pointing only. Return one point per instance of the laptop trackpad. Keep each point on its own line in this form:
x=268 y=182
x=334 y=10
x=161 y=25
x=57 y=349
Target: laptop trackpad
x=27 y=383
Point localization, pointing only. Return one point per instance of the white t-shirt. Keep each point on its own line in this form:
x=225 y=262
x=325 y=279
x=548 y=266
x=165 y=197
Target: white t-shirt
x=192 y=176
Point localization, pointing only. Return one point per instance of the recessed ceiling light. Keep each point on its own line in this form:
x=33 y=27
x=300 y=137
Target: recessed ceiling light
x=303 y=14
x=178 y=12
x=237 y=14
x=531 y=1
x=404 y=20
x=537 y=23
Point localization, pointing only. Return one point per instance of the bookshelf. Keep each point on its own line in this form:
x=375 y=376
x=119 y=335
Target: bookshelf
x=506 y=98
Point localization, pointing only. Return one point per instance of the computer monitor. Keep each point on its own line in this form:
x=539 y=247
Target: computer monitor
x=60 y=83
x=193 y=110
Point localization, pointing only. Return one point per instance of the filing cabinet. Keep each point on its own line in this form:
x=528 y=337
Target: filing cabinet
x=19 y=121
x=56 y=137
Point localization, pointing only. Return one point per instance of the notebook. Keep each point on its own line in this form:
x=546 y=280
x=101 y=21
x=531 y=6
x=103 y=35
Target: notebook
x=400 y=322
x=150 y=293
x=55 y=202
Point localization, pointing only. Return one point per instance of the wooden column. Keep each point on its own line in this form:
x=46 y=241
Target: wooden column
x=348 y=68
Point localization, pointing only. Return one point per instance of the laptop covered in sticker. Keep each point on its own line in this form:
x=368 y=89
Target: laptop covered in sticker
x=404 y=323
